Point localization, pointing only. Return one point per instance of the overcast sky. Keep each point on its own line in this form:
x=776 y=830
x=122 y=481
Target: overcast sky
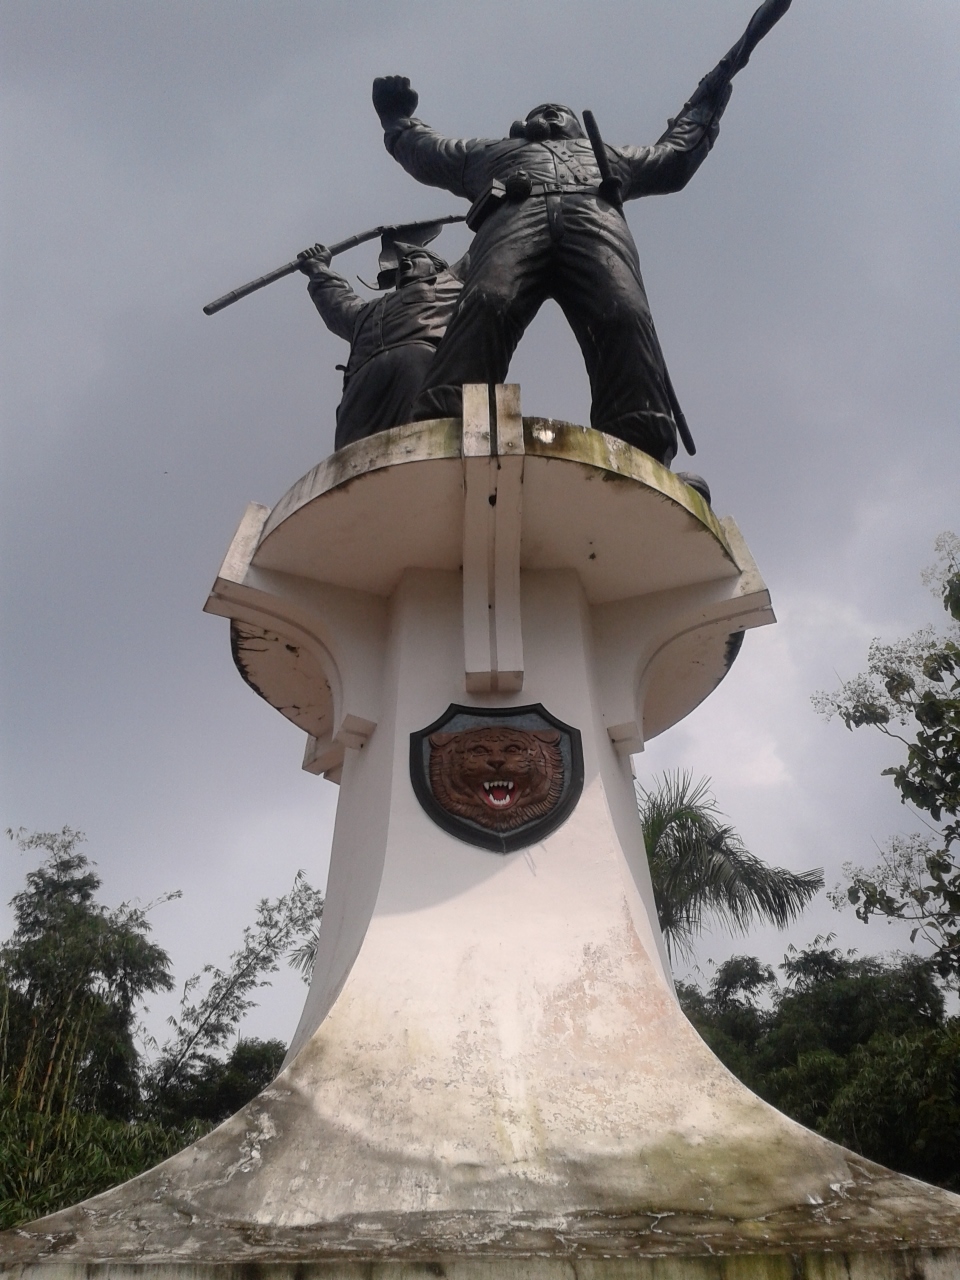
x=157 y=154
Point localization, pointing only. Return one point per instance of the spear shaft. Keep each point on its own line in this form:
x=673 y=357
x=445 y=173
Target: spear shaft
x=341 y=246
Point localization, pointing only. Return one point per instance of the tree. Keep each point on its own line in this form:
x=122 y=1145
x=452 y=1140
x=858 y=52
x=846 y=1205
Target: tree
x=915 y=683
x=700 y=867
x=71 y=977
x=855 y=1047
x=80 y=1107
x=215 y=1088
x=288 y=925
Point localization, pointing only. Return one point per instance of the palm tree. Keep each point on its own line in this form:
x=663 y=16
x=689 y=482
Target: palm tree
x=700 y=867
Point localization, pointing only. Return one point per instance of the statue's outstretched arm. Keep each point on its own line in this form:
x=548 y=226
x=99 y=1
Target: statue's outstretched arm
x=427 y=155
x=332 y=295
x=676 y=156
x=673 y=160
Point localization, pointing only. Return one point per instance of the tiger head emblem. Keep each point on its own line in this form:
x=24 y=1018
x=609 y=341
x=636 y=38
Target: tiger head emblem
x=499 y=778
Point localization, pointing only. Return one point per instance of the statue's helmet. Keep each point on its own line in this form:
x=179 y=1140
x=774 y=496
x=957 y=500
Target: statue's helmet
x=403 y=242
x=404 y=250
x=548 y=120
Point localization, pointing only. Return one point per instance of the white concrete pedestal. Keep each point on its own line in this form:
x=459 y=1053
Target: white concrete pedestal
x=491 y=1074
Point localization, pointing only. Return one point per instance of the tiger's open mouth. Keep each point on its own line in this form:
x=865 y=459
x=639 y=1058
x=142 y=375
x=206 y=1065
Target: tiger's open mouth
x=499 y=794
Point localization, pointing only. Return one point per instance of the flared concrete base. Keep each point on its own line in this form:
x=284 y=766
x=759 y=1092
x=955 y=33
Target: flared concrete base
x=492 y=1077
x=882 y=1228
x=566 y=1121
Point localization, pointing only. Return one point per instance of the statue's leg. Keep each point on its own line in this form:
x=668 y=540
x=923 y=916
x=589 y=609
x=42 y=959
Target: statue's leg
x=600 y=290
x=380 y=394
x=506 y=284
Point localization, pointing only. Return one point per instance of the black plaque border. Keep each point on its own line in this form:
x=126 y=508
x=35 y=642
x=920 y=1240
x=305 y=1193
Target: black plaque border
x=475 y=835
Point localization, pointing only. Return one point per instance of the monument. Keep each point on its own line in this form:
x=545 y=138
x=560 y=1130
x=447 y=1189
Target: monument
x=477 y=619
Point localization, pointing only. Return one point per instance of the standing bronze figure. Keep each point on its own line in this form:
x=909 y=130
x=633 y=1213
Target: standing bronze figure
x=547 y=211
x=392 y=339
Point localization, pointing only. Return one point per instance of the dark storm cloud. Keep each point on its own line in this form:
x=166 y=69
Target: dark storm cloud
x=805 y=290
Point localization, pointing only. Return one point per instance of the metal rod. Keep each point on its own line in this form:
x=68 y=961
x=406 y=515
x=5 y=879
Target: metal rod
x=340 y=247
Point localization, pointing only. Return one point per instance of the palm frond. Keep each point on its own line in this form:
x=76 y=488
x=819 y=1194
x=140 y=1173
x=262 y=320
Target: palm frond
x=700 y=867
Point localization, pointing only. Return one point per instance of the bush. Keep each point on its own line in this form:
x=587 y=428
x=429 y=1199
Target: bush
x=50 y=1161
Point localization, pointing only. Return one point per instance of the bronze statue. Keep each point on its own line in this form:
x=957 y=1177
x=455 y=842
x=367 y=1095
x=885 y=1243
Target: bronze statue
x=392 y=339
x=547 y=212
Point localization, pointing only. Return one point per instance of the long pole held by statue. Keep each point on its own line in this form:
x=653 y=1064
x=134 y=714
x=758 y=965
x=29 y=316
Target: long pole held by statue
x=341 y=246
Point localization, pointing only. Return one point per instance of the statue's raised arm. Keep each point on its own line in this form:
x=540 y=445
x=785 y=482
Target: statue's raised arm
x=735 y=59
x=430 y=157
x=693 y=131
x=393 y=98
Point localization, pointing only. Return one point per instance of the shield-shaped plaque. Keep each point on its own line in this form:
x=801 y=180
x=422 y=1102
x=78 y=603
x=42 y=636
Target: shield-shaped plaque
x=501 y=778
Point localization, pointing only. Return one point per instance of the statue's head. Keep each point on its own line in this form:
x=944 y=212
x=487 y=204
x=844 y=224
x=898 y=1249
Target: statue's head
x=549 y=120
x=402 y=261
x=416 y=263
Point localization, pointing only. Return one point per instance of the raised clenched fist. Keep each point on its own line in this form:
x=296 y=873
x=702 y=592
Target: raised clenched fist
x=393 y=99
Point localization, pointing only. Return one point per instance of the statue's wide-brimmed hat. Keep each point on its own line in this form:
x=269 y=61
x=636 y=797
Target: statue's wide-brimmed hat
x=402 y=240
x=404 y=249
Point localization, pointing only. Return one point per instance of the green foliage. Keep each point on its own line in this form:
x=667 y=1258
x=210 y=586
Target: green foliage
x=700 y=867
x=49 y=1162
x=80 y=1109
x=916 y=683
x=206 y=1022
x=857 y=1048
x=215 y=1088
x=901 y=1098
x=71 y=976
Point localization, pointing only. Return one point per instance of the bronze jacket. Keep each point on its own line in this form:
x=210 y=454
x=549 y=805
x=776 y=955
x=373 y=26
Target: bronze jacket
x=419 y=312
x=466 y=166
